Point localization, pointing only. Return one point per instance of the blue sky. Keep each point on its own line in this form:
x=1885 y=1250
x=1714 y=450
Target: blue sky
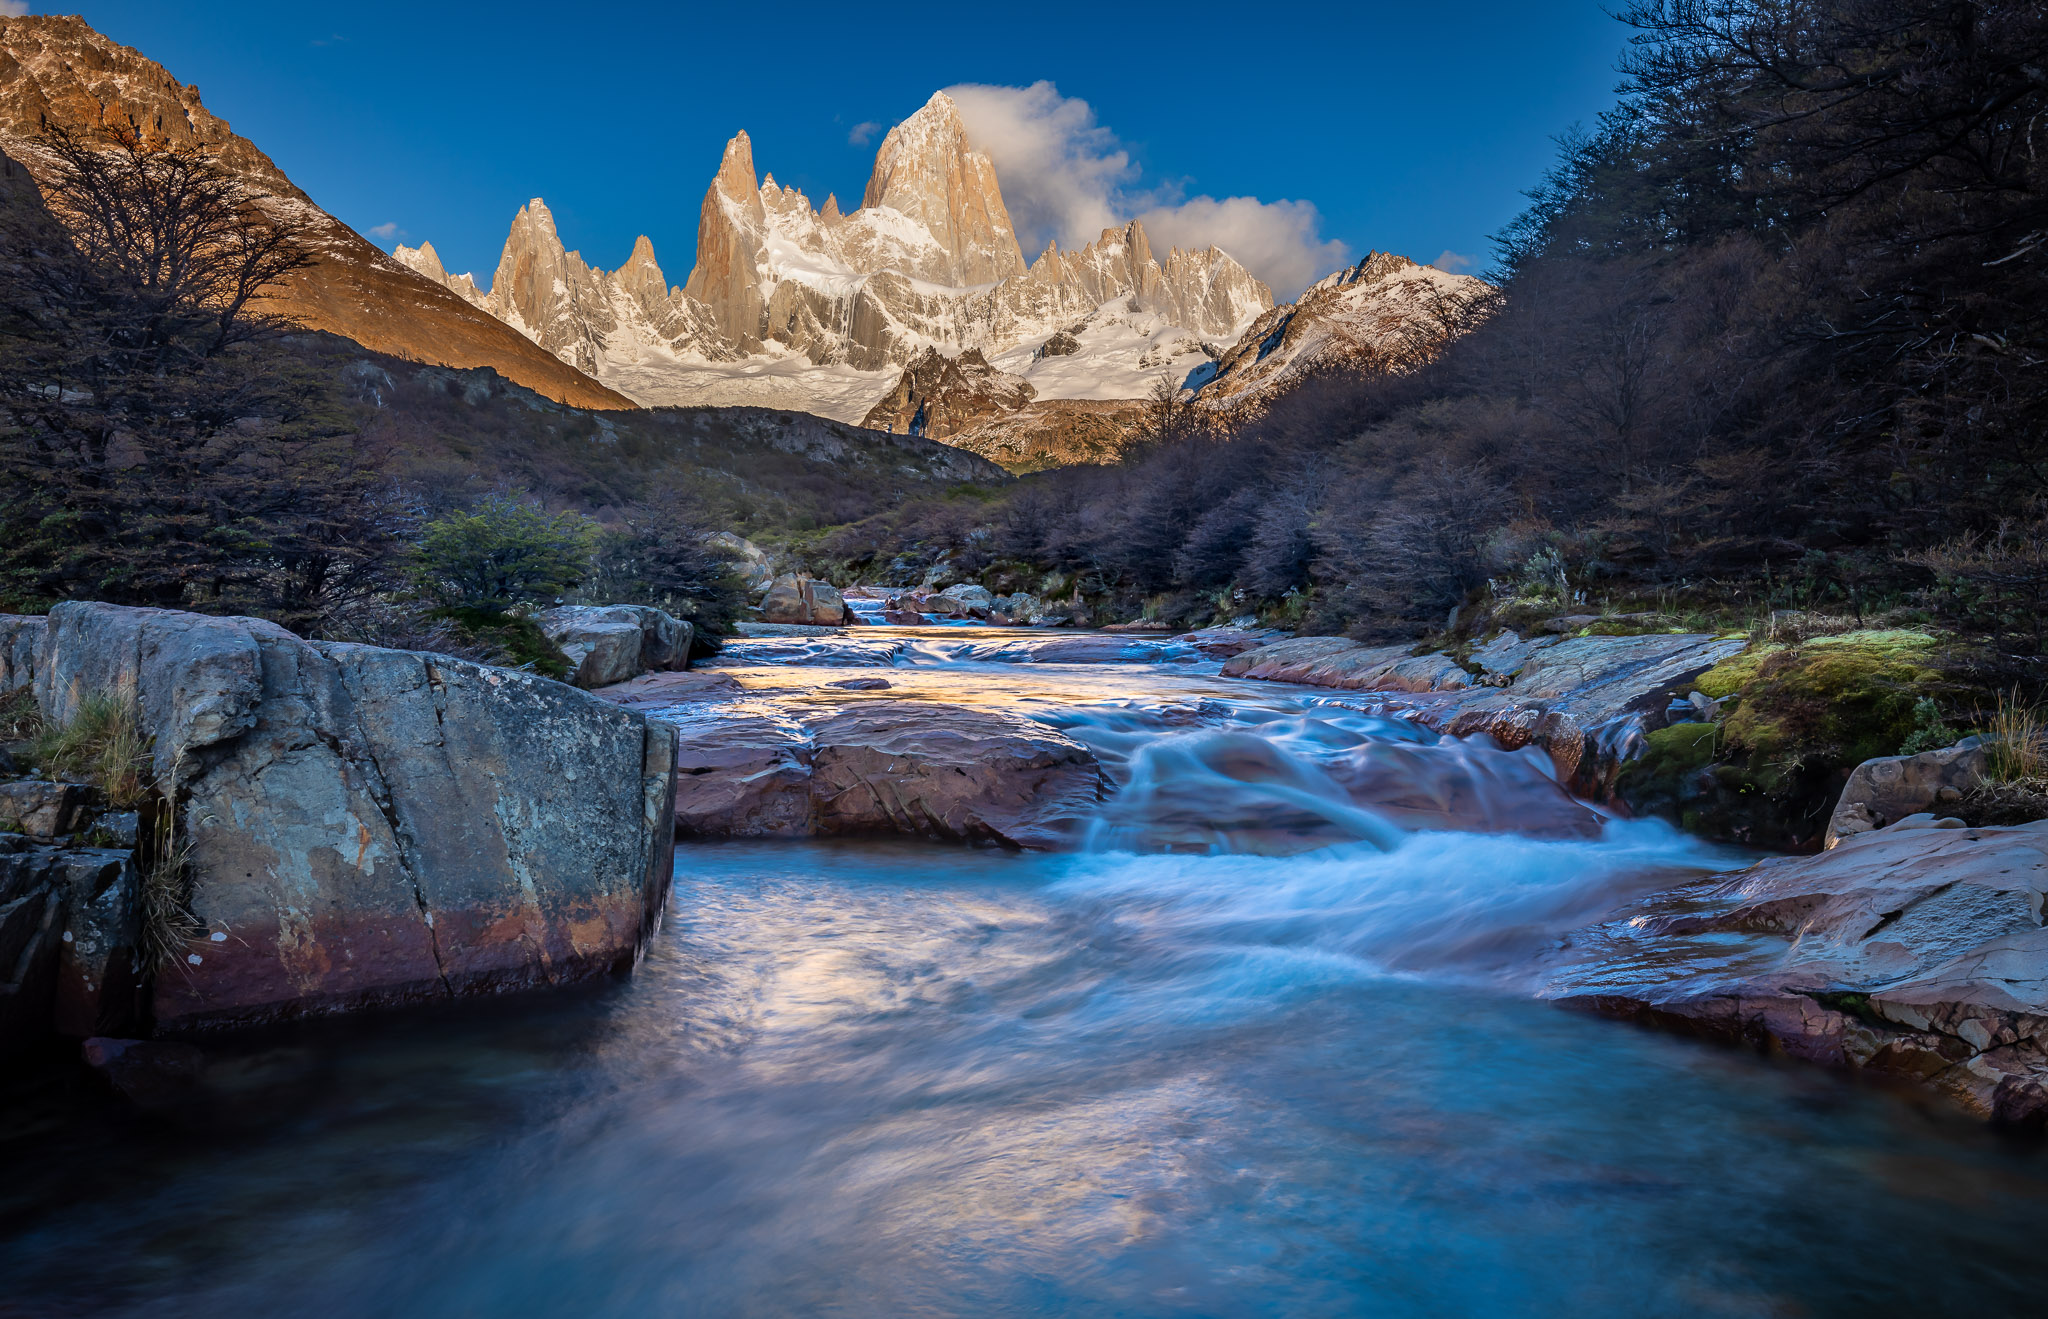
x=1406 y=127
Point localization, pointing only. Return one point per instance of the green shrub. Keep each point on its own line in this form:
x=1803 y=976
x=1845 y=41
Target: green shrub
x=503 y=553
x=1931 y=732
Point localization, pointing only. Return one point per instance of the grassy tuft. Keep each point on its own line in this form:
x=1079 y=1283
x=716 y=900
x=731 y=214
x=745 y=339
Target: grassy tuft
x=2016 y=735
x=102 y=745
x=169 y=928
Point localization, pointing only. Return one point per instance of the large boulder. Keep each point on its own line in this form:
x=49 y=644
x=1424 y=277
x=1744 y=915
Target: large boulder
x=364 y=826
x=1915 y=951
x=1891 y=788
x=600 y=651
x=609 y=644
x=793 y=599
x=750 y=562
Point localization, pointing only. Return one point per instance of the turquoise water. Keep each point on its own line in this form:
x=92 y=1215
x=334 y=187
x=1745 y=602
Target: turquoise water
x=883 y=1079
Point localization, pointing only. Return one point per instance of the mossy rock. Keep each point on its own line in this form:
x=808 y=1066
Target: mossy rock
x=1844 y=699
x=1799 y=718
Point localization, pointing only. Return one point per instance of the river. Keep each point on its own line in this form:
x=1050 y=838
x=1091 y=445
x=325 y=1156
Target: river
x=1248 y=1049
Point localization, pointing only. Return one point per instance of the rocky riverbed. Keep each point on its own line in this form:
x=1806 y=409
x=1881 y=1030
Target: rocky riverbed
x=1238 y=1008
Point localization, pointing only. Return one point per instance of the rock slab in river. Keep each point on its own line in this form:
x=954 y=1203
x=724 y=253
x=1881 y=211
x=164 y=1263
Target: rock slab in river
x=906 y=767
x=950 y=772
x=1916 y=951
x=1584 y=700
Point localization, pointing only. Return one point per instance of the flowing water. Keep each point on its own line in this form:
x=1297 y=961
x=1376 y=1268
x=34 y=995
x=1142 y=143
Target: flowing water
x=1263 y=1044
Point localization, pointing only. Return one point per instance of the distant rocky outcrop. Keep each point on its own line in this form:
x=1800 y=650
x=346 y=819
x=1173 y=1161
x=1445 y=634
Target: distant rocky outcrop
x=939 y=396
x=59 y=71
x=349 y=826
x=794 y=599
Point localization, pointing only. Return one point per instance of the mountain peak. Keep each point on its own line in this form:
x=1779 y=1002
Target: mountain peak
x=736 y=167
x=423 y=259
x=928 y=171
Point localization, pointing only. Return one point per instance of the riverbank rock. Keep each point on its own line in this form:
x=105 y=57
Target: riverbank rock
x=370 y=827
x=1225 y=643
x=40 y=809
x=1891 y=788
x=609 y=644
x=21 y=640
x=793 y=599
x=1915 y=952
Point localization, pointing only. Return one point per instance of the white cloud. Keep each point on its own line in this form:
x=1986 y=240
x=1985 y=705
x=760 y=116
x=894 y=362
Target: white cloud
x=1277 y=241
x=1066 y=176
x=13 y=8
x=1455 y=263
x=387 y=232
x=863 y=133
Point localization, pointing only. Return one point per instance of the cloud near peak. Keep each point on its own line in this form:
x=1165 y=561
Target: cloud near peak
x=1066 y=176
x=13 y=8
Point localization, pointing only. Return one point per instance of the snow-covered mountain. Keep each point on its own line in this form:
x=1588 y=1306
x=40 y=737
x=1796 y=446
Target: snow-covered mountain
x=1386 y=313
x=796 y=306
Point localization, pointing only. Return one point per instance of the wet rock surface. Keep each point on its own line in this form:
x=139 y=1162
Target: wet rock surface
x=1915 y=952
x=950 y=772
x=1588 y=701
x=68 y=931
x=151 y=1074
